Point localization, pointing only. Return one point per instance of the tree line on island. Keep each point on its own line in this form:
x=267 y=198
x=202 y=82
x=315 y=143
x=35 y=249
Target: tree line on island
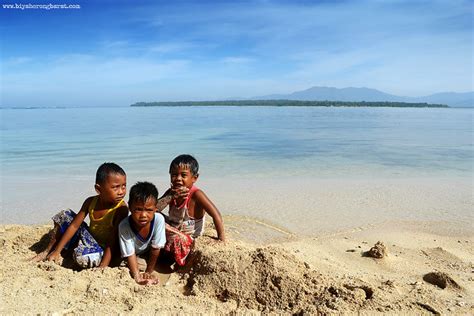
x=292 y=103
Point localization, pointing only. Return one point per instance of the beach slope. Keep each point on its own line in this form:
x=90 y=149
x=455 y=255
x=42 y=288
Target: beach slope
x=421 y=272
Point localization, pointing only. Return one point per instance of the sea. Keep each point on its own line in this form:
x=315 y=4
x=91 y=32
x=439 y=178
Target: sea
x=49 y=155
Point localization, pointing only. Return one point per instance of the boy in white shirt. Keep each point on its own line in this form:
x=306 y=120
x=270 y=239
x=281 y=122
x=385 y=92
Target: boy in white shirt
x=143 y=232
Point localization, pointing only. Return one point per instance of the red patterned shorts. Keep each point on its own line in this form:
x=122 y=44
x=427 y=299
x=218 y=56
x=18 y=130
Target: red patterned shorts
x=178 y=243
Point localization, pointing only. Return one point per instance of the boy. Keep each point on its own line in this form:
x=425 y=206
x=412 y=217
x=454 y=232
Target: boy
x=186 y=214
x=94 y=245
x=142 y=232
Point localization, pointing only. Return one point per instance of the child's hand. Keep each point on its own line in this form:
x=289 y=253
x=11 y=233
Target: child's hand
x=146 y=279
x=216 y=241
x=98 y=269
x=54 y=256
x=179 y=193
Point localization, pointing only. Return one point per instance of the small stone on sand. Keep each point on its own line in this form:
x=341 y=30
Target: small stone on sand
x=377 y=251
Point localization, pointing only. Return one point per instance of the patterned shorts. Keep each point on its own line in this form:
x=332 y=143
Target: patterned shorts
x=178 y=243
x=87 y=252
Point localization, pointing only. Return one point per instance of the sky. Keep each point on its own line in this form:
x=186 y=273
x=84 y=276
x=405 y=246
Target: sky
x=115 y=52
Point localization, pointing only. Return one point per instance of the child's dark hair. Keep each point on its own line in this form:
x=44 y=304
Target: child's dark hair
x=188 y=161
x=105 y=170
x=141 y=192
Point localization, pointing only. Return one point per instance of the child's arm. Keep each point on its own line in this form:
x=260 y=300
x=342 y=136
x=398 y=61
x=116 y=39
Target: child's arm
x=170 y=194
x=158 y=241
x=133 y=266
x=70 y=231
x=164 y=200
x=127 y=248
x=152 y=258
x=211 y=209
x=112 y=248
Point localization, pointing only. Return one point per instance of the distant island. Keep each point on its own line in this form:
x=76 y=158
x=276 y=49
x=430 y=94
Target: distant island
x=330 y=96
x=351 y=94
x=292 y=103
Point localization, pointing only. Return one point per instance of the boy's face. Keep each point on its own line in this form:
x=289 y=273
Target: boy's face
x=142 y=213
x=182 y=176
x=113 y=189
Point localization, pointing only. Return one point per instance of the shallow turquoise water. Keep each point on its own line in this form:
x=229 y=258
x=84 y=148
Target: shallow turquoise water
x=246 y=141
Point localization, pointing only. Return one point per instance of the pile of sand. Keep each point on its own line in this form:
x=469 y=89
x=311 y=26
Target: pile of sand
x=235 y=277
x=270 y=280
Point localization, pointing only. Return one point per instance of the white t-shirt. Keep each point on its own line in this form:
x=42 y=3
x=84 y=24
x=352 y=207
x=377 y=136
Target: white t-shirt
x=132 y=243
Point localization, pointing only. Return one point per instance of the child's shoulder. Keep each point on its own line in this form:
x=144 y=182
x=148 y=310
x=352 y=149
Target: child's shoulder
x=91 y=198
x=199 y=195
x=195 y=191
x=87 y=202
x=124 y=224
x=123 y=206
x=121 y=213
x=159 y=217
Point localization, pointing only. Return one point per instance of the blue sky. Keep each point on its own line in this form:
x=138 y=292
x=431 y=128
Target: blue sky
x=120 y=52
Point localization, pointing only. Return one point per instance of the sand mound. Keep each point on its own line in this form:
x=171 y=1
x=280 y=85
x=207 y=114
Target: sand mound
x=441 y=280
x=270 y=280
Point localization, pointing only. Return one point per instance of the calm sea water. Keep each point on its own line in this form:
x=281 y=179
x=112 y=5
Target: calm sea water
x=61 y=146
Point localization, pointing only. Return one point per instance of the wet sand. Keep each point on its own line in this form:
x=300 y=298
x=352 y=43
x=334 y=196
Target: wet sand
x=301 y=205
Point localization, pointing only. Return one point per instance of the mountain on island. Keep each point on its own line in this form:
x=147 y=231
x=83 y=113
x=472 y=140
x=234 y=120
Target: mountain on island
x=452 y=99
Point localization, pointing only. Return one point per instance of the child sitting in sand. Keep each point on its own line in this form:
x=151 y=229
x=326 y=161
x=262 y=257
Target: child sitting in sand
x=187 y=214
x=94 y=245
x=143 y=232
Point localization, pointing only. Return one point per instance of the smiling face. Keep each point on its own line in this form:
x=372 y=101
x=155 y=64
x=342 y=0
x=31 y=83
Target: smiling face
x=182 y=176
x=113 y=189
x=142 y=213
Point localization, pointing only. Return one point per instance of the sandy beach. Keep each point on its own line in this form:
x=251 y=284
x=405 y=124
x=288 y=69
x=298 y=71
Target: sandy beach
x=295 y=246
x=428 y=269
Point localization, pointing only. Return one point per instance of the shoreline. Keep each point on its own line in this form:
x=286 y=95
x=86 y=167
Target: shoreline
x=328 y=274
x=299 y=205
